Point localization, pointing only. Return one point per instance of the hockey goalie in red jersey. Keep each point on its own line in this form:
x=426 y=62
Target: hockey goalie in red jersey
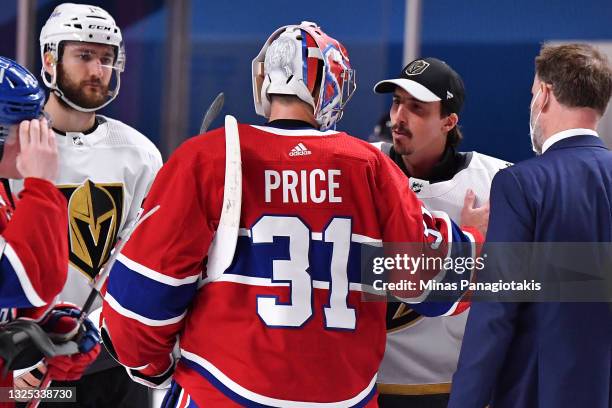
x=268 y=310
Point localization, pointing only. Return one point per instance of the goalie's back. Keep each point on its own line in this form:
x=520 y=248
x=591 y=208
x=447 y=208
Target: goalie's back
x=291 y=302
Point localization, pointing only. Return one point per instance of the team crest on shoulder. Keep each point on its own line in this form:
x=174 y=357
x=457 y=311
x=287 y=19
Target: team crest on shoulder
x=95 y=211
x=416 y=67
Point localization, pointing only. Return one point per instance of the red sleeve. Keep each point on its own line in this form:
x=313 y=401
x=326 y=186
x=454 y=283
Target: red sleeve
x=34 y=260
x=156 y=275
x=406 y=221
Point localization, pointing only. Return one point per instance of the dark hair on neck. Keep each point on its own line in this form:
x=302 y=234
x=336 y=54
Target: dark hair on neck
x=454 y=136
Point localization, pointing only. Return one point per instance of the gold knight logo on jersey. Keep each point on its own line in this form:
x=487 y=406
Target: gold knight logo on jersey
x=400 y=316
x=94 y=214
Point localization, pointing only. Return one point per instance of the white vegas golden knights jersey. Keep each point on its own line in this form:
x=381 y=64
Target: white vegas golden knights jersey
x=421 y=353
x=104 y=174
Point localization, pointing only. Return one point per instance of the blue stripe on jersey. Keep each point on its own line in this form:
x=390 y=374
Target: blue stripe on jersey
x=255 y=260
x=172 y=399
x=220 y=386
x=240 y=399
x=147 y=297
x=11 y=292
x=458 y=235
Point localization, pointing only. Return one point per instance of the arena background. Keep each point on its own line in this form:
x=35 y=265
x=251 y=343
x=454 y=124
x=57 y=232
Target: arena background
x=492 y=44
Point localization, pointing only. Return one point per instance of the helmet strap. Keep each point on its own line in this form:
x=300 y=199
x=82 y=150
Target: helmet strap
x=54 y=87
x=60 y=94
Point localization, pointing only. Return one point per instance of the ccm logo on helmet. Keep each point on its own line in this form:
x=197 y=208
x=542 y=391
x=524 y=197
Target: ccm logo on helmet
x=99 y=27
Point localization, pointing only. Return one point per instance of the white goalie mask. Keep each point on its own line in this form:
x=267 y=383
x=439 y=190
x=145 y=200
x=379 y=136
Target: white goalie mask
x=74 y=23
x=302 y=60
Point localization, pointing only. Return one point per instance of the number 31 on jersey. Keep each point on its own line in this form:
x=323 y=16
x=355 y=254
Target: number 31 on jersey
x=295 y=271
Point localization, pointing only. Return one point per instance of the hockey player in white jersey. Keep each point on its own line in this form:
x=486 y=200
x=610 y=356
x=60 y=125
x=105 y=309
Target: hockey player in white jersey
x=421 y=352
x=106 y=167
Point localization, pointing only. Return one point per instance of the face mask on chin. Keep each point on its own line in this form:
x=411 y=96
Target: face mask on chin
x=534 y=131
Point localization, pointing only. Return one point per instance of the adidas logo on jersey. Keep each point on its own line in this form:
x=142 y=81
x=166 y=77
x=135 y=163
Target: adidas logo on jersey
x=299 y=150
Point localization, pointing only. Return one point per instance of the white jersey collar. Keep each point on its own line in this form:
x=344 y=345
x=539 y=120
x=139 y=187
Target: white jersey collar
x=294 y=132
x=564 y=135
x=81 y=139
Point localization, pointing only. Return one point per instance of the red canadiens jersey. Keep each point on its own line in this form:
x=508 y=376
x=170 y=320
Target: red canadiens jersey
x=286 y=324
x=34 y=252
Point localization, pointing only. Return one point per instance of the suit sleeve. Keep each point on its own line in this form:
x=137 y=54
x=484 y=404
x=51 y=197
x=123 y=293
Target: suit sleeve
x=405 y=220
x=34 y=247
x=155 y=278
x=490 y=325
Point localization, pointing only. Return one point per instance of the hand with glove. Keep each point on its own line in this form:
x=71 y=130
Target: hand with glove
x=61 y=324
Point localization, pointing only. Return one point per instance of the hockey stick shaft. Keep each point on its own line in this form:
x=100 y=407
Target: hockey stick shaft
x=222 y=249
x=212 y=112
x=44 y=384
x=103 y=275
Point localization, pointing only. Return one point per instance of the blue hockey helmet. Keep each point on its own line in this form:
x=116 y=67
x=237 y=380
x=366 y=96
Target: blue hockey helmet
x=21 y=97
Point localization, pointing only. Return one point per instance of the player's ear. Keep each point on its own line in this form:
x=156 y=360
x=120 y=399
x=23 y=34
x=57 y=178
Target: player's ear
x=547 y=96
x=48 y=62
x=449 y=122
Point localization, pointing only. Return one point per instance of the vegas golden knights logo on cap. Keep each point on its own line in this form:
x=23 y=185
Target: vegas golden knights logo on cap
x=400 y=316
x=94 y=217
x=416 y=67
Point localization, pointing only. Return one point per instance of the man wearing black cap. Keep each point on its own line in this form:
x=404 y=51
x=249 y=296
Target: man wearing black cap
x=421 y=353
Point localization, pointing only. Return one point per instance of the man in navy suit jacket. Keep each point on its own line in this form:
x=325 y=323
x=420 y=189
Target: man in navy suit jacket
x=549 y=355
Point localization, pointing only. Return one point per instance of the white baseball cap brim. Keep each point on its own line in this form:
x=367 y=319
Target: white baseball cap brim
x=412 y=87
